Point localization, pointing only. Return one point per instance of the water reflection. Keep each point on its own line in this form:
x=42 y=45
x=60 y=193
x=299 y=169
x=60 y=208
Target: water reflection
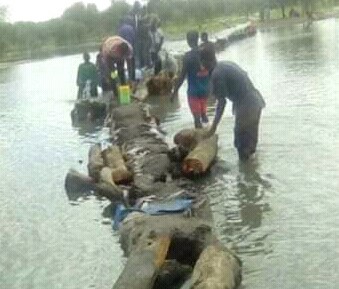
x=251 y=189
x=162 y=106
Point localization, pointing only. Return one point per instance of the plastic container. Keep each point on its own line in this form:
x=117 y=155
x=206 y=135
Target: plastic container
x=124 y=94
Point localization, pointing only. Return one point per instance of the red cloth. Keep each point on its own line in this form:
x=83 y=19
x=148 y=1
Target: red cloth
x=110 y=48
x=198 y=105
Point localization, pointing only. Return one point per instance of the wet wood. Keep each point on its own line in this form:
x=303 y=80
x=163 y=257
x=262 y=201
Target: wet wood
x=76 y=182
x=201 y=157
x=216 y=268
x=142 y=266
x=114 y=160
x=189 y=138
x=95 y=162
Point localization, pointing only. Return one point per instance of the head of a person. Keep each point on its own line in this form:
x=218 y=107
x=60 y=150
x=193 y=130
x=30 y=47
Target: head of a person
x=124 y=49
x=204 y=37
x=154 y=25
x=208 y=59
x=137 y=7
x=192 y=38
x=86 y=56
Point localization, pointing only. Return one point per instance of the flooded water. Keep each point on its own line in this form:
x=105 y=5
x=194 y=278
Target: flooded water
x=279 y=212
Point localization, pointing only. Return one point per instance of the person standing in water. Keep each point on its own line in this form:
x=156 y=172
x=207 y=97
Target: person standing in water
x=198 y=81
x=87 y=78
x=230 y=81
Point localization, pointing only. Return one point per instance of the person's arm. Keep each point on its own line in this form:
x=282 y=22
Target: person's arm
x=220 y=91
x=79 y=75
x=220 y=107
x=180 y=79
x=161 y=41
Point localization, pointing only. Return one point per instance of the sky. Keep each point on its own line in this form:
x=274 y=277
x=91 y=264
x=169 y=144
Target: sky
x=41 y=10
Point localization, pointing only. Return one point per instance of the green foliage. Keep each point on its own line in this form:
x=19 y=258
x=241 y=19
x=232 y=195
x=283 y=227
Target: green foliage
x=81 y=24
x=3 y=13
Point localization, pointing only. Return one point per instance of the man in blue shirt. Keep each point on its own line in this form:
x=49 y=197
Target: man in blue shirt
x=231 y=82
x=197 y=78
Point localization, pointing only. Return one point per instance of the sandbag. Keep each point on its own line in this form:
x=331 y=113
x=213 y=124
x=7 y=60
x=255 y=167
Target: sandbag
x=201 y=157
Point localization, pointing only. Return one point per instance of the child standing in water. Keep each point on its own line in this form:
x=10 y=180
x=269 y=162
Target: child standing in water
x=198 y=81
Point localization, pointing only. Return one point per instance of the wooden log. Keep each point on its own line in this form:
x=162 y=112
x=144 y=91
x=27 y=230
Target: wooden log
x=217 y=268
x=95 y=161
x=106 y=176
x=158 y=85
x=113 y=157
x=114 y=160
x=142 y=266
x=189 y=138
x=76 y=182
x=199 y=160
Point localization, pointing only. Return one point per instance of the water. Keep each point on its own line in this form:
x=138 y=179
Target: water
x=279 y=213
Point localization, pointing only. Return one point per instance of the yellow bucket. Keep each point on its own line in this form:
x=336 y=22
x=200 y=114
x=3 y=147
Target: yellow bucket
x=124 y=94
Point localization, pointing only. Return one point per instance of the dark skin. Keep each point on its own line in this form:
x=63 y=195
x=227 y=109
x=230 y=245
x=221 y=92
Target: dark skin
x=181 y=78
x=220 y=106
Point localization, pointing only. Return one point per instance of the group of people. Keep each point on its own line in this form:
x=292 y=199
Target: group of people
x=136 y=45
x=225 y=80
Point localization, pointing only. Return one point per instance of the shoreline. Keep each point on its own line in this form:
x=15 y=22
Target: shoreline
x=287 y=22
x=45 y=53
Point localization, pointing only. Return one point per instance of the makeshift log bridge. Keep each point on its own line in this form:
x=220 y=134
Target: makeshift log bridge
x=170 y=240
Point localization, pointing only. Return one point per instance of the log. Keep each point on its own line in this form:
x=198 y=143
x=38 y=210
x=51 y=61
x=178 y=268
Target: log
x=158 y=85
x=113 y=157
x=199 y=160
x=217 y=268
x=95 y=162
x=106 y=176
x=144 y=265
x=114 y=160
x=189 y=138
x=76 y=182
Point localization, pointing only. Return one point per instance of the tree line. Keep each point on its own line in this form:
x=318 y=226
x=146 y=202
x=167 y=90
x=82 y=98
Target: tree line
x=82 y=23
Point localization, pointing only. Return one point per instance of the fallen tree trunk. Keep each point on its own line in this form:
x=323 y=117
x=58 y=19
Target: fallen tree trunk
x=217 y=268
x=201 y=157
x=76 y=182
x=95 y=161
x=189 y=138
x=143 y=265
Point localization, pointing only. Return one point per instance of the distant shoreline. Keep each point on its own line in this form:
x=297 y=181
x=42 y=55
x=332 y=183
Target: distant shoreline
x=48 y=52
x=285 y=22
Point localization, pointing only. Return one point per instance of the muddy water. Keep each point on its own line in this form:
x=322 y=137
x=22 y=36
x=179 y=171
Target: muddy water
x=278 y=212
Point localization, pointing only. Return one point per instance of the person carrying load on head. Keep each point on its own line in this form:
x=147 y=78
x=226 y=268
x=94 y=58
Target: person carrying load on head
x=116 y=52
x=198 y=81
x=87 y=78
